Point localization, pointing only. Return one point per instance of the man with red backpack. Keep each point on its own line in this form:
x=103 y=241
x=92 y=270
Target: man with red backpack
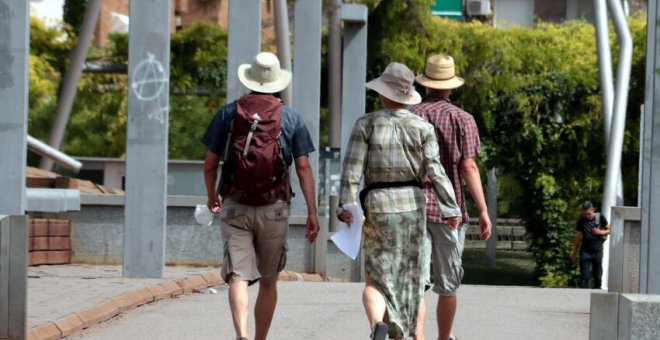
x=257 y=138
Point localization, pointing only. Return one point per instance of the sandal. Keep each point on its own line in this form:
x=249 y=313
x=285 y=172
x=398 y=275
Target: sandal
x=380 y=331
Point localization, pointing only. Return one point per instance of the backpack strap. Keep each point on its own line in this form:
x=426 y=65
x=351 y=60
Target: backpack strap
x=225 y=156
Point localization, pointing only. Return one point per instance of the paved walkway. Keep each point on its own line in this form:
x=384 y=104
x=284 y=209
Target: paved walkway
x=307 y=310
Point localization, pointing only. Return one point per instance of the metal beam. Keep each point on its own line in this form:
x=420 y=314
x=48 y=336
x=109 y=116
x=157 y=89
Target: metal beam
x=243 y=42
x=47 y=151
x=72 y=78
x=615 y=144
x=14 y=52
x=650 y=170
x=146 y=147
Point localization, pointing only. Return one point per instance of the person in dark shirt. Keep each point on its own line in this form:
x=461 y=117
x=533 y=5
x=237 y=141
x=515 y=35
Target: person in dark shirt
x=591 y=231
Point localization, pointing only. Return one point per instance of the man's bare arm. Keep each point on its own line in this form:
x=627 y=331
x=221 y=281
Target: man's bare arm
x=470 y=173
x=306 y=178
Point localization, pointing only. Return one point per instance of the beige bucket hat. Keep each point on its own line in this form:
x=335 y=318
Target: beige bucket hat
x=440 y=73
x=264 y=75
x=396 y=83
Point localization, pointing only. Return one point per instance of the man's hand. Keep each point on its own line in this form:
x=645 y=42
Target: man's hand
x=485 y=225
x=346 y=217
x=312 y=228
x=214 y=204
x=454 y=222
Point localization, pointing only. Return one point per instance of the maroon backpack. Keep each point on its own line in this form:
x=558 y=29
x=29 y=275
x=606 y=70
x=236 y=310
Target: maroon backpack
x=254 y=171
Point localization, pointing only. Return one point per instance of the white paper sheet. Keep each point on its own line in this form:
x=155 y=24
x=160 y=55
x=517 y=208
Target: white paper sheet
x=348 y=238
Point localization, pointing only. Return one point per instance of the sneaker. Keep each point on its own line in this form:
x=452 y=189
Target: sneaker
x=380 y=331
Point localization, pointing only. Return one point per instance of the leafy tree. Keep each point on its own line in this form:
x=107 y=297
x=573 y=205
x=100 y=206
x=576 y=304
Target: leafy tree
x=74 y=13
x=519 y=82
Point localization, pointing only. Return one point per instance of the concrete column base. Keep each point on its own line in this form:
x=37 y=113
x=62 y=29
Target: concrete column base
x=624 y=316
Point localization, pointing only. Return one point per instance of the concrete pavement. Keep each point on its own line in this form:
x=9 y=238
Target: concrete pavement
x=306 y=310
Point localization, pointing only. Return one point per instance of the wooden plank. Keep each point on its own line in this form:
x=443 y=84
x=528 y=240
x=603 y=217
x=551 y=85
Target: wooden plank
x=18 y=261
x=519 y=245
x=39 y=182
x=64 y=182
x=4 y=276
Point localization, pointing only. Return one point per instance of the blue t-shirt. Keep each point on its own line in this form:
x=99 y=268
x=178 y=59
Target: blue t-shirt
x=295 y=138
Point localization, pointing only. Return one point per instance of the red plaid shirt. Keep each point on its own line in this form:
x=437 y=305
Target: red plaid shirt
x=458 y=138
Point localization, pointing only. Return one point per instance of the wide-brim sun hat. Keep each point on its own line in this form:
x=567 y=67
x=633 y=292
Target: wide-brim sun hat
x=440 y=74
x=396 y=84
x=264 y=74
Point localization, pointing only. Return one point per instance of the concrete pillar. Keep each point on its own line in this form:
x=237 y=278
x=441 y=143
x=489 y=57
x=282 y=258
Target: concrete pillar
x=354 y=73
x=146 y=147
x=243 y=43
x=491 y=243
x=354 y=76
x=13 y=276
x=307 y=101
x=14 y=52
x=650 y=198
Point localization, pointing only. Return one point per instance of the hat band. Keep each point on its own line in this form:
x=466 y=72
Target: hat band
x=433 y=78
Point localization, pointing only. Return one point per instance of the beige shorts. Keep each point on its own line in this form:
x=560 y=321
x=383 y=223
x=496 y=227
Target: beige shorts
x=255 y=241
x=445 y=257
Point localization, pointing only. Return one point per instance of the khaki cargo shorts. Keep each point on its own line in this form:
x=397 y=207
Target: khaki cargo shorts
x=254 y=240
x=445 y=255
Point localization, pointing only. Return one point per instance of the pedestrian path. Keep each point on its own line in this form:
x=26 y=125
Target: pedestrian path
x=62 y=300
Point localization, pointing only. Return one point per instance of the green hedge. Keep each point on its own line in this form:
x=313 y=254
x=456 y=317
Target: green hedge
x=517 y=82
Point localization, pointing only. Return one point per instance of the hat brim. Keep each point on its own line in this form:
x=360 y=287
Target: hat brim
x=379 y=86
x=448 y=84
x=283 y=80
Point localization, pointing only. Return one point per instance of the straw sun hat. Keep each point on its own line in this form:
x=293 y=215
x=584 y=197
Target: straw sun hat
x=440 y=74
x=264 y=75
x=396 y=84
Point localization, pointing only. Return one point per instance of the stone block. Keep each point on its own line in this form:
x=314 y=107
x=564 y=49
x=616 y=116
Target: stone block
x=59 y=243
x=44 y=332
x=639 y=316
x=159 y=292
x=59 y=256
x=192 y=284
x=133 y=299
x=38 y=258
x=59 y=227
x=287 y=276
x=172 y=288
x=69 y=325
x=603 y=318
x=40 y=227
x=213 y=279
x=98 y=314
x=40 y=243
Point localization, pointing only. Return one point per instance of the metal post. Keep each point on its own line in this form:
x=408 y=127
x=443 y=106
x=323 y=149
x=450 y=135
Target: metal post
x=57 y=156
x=334 y=91
x=243 y=42
x=615 y=145
x=354 y=76
x=650 y=199
x=306 y=100
x=146 y=147
x=491 y=244
x=281 y=13
x=72 y=78
x=14 y=52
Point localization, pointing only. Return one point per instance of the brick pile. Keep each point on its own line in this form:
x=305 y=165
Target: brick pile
x=49 y=241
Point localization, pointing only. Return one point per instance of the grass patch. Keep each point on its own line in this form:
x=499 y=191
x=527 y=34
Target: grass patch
x=512 y=268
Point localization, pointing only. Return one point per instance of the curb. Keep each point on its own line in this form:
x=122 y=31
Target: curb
x=76 y=322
